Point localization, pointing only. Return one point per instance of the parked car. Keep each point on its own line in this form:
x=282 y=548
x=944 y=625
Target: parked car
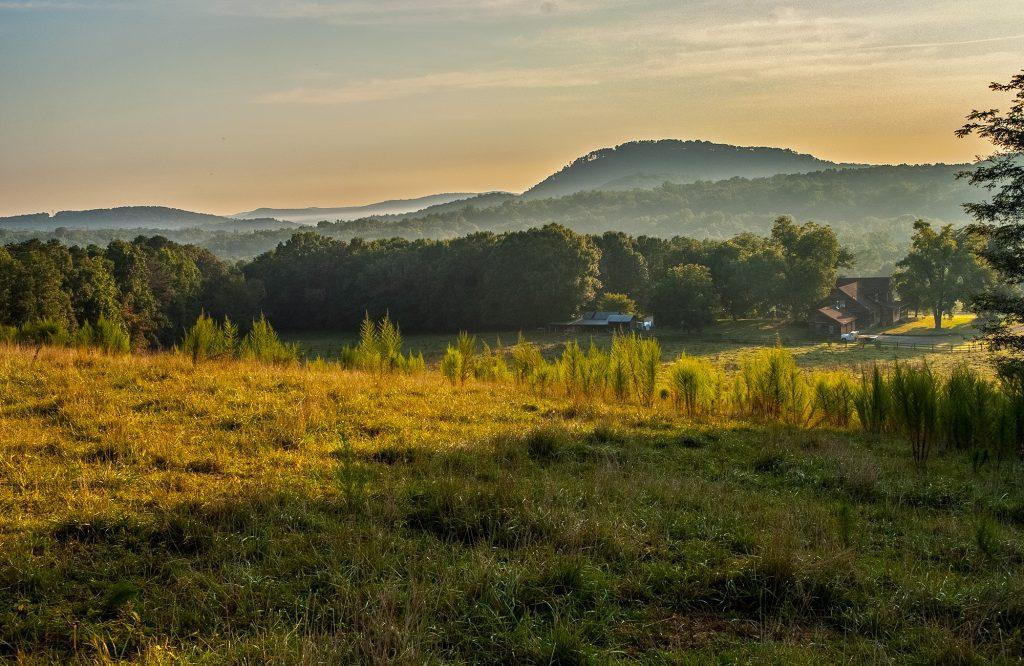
x=849 y=337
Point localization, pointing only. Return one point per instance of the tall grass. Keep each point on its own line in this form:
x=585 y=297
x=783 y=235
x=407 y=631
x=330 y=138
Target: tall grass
x=207 y=339
x=770 y=386
x=380 y=350
x=915 y=407
x=873 y=402
x=108 y=335
x=695 y=385
x=834 y=400
x=526 y=361
x=633 y=366
x=262 y=344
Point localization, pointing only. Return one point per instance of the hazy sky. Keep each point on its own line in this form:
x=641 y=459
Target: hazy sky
x=227 y=105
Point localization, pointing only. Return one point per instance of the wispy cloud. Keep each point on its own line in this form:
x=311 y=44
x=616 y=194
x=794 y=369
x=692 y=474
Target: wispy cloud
x=358 y=11
x=394 y=88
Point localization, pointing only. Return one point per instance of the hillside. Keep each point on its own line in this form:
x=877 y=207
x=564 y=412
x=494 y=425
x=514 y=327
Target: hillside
x=161 y=512
x=648 y=164
x=393 y=207
x=135 y=217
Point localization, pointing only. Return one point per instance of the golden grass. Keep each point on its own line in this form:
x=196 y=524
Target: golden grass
x=157 y=511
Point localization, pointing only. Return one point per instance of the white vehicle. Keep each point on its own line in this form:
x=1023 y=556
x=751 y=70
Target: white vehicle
x=849 y=337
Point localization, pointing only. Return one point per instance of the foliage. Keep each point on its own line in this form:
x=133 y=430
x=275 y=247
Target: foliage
x=262 y=344
x=874 y=401
x=1001 y=216
x=609 y=302
x=810 y=256
x=110 y=336
x=834 y=400
x=915 y=407
x=684 y=297
x=941 y=269
x=380 y=350
x=696 y=385
x=770 y=386
x=207 y=339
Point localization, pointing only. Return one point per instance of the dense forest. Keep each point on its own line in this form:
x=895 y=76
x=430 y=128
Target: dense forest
x=516 y=280
x=871 y=209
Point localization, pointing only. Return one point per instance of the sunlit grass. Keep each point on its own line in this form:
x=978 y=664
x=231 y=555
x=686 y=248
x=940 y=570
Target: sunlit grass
x=958 y=324
x=157 y=510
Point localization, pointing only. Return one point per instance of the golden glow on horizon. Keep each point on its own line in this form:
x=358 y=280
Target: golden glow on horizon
x=281 y=104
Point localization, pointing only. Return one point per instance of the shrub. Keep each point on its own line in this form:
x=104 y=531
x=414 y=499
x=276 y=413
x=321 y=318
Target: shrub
x=206 y=339
x=113 y=338
x=380 y=350
x=526 y=360
x=466 y=345
x=451 y=366
x=583 y=375
x=42 y=332
x=695 y=385
x=262 y=344
x=490 y=365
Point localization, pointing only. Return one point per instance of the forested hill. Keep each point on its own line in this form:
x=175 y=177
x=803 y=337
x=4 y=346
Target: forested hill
x=393 y=207
x=648 y=164
x=136 y=217
x=846 y=198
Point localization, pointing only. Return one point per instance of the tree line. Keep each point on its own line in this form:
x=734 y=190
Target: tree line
x=151 y=288
x=156 y=288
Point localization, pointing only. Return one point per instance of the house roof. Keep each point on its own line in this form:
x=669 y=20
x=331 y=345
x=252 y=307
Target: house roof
x=603 y=319
x=836 y=315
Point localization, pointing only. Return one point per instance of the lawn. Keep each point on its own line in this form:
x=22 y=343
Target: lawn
x=958 y=325
x=160 y=512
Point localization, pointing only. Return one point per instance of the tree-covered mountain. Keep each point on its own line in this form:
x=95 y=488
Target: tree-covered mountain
x=136 y=217
x=648 y=164
x=392 y=207
x=872 y=210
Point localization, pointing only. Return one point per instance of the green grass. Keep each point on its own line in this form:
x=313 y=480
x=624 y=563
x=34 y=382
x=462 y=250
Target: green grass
x=160 y=512
x=961 y=325
x=723 y=344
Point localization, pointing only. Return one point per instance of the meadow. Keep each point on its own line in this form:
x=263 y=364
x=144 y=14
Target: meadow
x=158 y=510
x=723 y=344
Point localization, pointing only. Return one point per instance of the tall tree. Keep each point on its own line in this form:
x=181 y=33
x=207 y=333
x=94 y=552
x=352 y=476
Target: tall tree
x=942 y=268
x=684 y=297
x=623 y=268
x=811 y=257
x=1001 y=218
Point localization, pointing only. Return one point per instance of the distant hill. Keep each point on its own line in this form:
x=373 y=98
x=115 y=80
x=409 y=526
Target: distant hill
x=136 y=217
x=648 y=164
x=392 y=207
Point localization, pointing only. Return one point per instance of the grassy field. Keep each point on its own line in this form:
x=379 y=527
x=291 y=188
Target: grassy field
x=723 y=343
x=961 y=325
x=158 y=512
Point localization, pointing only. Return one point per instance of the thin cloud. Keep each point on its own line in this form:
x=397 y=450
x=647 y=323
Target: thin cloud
x=385 y=89
x=357 y=11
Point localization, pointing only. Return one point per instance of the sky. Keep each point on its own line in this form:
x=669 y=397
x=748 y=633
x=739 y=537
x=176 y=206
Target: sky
x=228 y=105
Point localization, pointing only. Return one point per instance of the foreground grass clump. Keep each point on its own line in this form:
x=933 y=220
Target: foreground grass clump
x=158 y=511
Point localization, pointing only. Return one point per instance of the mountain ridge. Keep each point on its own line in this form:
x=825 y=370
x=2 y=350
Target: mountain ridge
x=649 y=163
x=137 y=217
x=314 y=214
